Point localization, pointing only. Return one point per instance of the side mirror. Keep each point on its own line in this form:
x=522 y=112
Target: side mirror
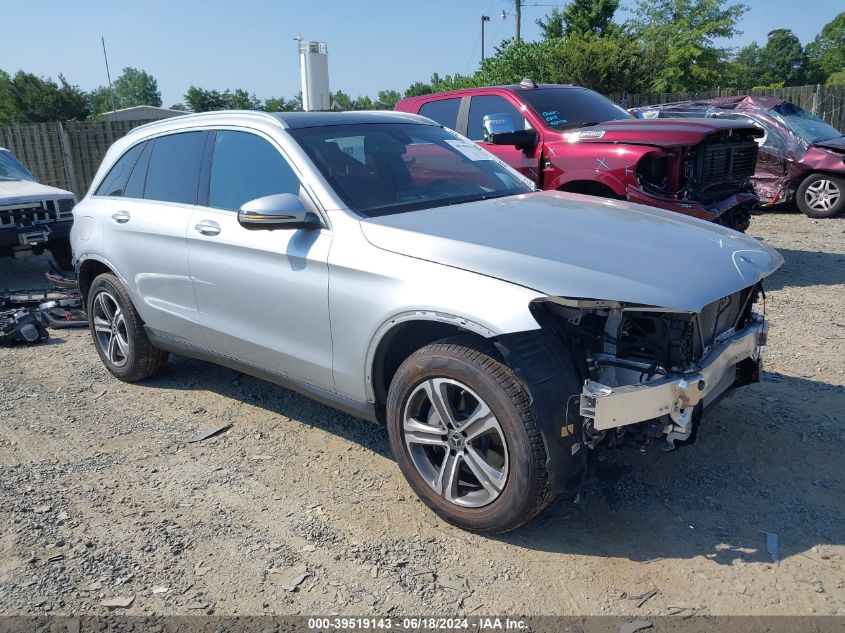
x=521 y=139
x=278 y=211
x=498 y=123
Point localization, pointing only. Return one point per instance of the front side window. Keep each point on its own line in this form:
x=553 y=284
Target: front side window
x=444 y=111
x=495 y=106
x=565 y=108
x=385 y=168
x=245 y=167
x=114 y=183
x=173 y=172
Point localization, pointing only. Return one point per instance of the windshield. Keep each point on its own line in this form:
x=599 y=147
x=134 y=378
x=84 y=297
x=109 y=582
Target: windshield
x=808 y=127
x=385 y=168
x=11 y=168
x=565 y=108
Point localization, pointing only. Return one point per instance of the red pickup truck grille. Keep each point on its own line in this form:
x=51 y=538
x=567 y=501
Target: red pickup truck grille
x=728 y=161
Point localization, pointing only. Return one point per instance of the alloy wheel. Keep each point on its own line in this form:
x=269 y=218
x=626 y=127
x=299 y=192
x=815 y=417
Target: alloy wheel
x=822 y=195
x=455 y=442
x=110 y=329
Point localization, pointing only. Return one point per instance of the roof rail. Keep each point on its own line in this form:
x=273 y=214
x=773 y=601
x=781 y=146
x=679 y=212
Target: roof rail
x=210 y=113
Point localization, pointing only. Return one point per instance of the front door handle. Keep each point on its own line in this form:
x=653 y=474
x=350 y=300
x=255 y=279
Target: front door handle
x=207 y=227
x=121 y=217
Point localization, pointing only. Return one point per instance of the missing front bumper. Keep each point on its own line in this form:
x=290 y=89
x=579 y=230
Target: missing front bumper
x=613 y=407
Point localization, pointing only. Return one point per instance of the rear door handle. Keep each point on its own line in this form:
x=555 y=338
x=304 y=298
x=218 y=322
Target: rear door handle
x=121 y=217
x=207 y=227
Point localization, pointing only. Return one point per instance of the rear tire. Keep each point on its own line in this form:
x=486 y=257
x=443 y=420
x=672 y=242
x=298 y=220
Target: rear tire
x=821 y=196
x=490 y=443
x=118 y=332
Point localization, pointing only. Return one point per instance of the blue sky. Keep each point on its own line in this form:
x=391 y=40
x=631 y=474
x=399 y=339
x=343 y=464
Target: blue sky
x=249 y=44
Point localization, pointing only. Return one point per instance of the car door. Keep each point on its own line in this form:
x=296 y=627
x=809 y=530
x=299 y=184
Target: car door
x=262 y=295
x=526 y=161
x=151 y=192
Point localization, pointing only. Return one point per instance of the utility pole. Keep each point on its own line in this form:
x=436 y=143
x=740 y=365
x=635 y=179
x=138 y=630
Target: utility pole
x=108 y=74
x=484 y=18
x=518 y=16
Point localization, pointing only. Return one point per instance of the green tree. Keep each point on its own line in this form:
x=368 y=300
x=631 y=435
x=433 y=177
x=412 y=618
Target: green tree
x=27 y=98
x=8 y=110
x=136 y=87
x=612 y=63
x=362 y=103
x=200 y=100
x=837 y=79
x=242 y=100
x=782 y=59
x=342 y=100
x=280 y=104
x=586 y=17
x=744 y=69
x=682 y=35
x=452 y=82
x=513 y=62
x=387 y=99
x=826 y=53
x=417 y=89
x=551 y=26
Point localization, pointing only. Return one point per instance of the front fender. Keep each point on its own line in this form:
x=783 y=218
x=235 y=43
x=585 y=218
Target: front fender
x=611 y=165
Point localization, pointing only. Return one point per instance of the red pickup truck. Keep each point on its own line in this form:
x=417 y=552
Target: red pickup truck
x=573 y=139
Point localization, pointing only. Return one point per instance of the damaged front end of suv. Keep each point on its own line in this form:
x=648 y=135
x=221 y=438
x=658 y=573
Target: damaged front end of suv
x=648 y=373
x=613 y=374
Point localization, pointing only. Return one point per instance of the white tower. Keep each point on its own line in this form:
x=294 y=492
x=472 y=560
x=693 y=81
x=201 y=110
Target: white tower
x=314 y=71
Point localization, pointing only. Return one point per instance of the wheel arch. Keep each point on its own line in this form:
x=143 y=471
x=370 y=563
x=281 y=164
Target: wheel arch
x=402 y=335
x=88 y=270
x=591 y=188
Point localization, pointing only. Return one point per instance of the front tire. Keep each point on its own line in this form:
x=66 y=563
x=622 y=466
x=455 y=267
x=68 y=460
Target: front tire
x=463 y=434
x=821 y=196
x=118 y=332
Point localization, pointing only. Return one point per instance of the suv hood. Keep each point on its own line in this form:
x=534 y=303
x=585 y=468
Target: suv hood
x=18 y=191
x=659 y=132
x=575 y=246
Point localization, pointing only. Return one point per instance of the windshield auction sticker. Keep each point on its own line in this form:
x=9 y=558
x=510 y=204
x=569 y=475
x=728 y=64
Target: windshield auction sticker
x=470 y=149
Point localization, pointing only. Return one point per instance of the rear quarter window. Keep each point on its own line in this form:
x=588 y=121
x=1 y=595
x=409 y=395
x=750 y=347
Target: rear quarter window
x=444 y=111
x=114 y=183
x=173 y=172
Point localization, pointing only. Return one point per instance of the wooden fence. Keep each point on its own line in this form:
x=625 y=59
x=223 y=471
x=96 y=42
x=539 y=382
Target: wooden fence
x=67 y=155
x=64 y=155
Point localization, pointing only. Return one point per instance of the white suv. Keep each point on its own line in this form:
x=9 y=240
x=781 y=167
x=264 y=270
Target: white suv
x=397 y=271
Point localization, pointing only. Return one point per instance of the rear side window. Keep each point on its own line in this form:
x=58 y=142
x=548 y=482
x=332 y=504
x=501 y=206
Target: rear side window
x=445 y=111
x=114 y=183
x=174 y=168
x=135 y=184
x=246 y=167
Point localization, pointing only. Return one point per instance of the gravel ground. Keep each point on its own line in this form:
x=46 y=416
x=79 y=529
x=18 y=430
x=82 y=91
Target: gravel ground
x=299 y=509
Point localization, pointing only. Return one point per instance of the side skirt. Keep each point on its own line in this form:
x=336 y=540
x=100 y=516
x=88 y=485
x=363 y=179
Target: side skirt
x=366 y=411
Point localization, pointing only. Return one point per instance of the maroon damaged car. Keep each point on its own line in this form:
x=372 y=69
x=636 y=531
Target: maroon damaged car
x=802 y=158
x=570 y=138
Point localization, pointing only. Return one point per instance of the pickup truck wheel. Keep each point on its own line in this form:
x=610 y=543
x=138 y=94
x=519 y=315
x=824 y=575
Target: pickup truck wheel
x=821 y=196
x=118 y=332
x=461 y=427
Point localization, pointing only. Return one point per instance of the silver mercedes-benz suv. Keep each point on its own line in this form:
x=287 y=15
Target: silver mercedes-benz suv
x=397 y=271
